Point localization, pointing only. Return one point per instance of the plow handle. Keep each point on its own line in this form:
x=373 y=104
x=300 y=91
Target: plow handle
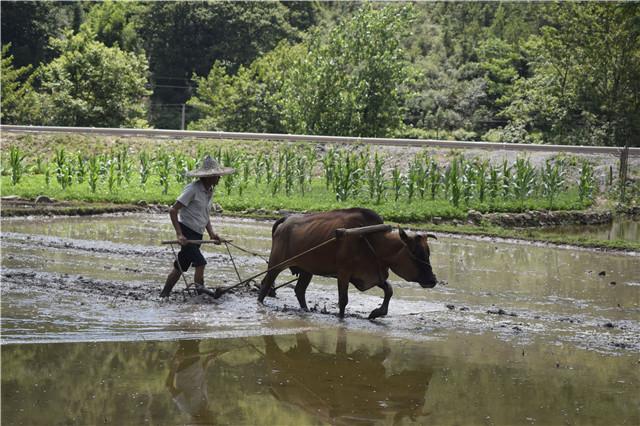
x=197 y=241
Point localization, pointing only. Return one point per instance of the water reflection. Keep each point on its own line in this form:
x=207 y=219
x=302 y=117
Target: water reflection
x=621 y=228
x=187 y=380
x=344 y=387
x=315 y=378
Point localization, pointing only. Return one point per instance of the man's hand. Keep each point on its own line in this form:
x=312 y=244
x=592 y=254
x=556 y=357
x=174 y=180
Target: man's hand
x=215 y=237
x=182 y=240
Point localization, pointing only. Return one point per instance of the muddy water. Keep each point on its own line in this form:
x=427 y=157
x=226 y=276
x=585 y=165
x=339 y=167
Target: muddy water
x=520 y=334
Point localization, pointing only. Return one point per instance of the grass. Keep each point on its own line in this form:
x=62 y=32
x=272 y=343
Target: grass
x=318 y=198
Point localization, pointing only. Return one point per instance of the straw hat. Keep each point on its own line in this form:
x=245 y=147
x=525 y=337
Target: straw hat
x=210 y=167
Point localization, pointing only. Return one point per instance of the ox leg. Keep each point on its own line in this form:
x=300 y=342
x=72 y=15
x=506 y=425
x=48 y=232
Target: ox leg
x=267 y=284
x=343 y=292
x=382 y=310
x=301 y=288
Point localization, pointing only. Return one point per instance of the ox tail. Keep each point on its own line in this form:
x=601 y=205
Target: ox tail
x=275 y=225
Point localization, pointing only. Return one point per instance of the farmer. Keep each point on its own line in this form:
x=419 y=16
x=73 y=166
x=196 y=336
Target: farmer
x=190 y=217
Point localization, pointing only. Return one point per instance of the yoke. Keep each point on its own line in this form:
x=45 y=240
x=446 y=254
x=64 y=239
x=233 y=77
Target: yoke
x=363 y=230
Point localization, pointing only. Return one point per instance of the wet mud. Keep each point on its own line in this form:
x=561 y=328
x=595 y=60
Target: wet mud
x=519 y=293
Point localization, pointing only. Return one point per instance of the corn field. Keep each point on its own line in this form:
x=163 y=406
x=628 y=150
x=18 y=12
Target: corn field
x=346 y=175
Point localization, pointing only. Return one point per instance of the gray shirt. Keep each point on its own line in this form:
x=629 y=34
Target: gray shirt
x=197 y=205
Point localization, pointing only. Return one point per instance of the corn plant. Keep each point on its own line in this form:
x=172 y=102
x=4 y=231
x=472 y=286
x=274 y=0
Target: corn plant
x=163 y=166
x=397 y=179
x=60 y=160
x=124 y=168
x=446 y=180
x=15 y=162
x=329 y=165
x=276 y=178
x=586 y=182
x=453 y=182
x=39 y=166
x=81 y=168
x=268 y=168
x=376 y=179
x=145 y=167
x=94 y=172
x=434 y=179
x=415 y=178
x=301 y=173
x=493 y=184
x=104 y=161
x=524 y=179
x=180 y=162
x=259 y=168
x=481 y=179
x=245 y=166
x=467 y=180
x=46 y=169
x=112 y=174
x=312 y=159
x=506 y=179
x=346 y=176
x=423 y=179
x=288 y=168
x=230 y=159
x=552 y=180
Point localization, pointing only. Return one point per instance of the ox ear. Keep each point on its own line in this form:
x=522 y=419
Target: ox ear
x=403 y=236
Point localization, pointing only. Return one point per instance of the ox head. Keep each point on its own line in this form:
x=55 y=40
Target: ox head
x=414 y=264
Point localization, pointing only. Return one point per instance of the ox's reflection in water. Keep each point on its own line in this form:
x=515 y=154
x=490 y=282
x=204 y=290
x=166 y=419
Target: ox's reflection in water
x=344 y=387
x=306 y=377
x=187 y=381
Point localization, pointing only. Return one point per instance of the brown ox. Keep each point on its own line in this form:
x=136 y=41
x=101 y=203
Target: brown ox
x=363 y=260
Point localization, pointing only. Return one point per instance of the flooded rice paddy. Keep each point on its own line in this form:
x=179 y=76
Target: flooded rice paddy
x=516 y=334
x=623 y=228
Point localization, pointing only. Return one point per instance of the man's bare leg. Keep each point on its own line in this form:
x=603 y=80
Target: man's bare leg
x=172 y=279
x=198 y=279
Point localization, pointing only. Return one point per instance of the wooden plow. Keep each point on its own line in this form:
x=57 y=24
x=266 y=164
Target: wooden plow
x=216 y=292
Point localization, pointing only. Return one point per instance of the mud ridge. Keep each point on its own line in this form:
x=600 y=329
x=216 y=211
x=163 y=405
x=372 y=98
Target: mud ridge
x=107 y=247
x=115 y=290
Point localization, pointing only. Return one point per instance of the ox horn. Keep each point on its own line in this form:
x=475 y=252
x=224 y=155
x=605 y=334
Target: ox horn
x=432 y=236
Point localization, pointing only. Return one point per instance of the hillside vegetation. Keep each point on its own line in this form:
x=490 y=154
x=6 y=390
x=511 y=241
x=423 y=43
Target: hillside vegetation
x=564 y=73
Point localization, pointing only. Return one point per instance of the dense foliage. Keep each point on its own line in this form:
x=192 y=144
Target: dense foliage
x=565 y=73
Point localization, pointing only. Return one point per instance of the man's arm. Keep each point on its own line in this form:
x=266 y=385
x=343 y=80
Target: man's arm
x=173 y=214
x=211 y=233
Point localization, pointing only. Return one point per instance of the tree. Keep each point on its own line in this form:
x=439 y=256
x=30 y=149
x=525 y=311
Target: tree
x=586 y=65
x=19 y=105
x=348 y=82
x=186 y=38
x=251 y=100
x=91 y=84
x=28 y=26
x=116 y=23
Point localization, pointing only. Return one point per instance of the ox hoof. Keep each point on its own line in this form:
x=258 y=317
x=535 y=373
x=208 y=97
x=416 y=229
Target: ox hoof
x=376 y=313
